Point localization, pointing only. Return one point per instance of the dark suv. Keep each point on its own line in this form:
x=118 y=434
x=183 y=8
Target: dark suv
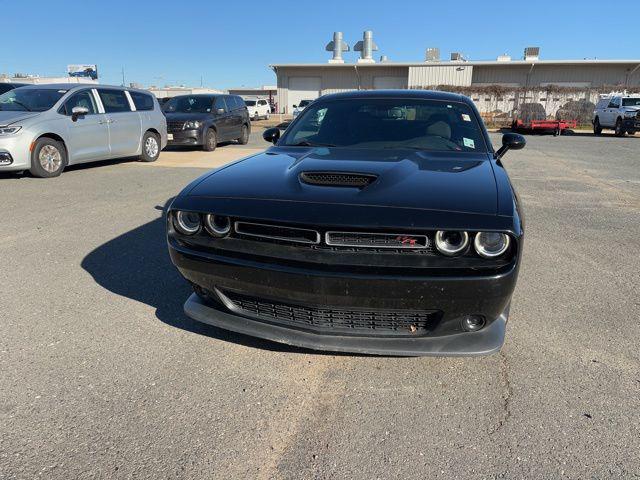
x=206 y=120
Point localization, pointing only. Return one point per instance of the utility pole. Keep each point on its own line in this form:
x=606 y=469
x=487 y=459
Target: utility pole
x=123 y=76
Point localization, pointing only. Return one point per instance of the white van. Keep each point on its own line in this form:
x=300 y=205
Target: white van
x=258 y=108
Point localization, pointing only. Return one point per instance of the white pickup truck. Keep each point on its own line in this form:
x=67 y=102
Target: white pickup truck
x=619 y=112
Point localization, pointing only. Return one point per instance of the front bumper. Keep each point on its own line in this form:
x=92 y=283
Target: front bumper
x=453 y=297
x=14 y=153
x=185 y=137
x=632 y=123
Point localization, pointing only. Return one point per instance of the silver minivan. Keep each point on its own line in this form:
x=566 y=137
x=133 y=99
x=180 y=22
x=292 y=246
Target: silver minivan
x=44 y=128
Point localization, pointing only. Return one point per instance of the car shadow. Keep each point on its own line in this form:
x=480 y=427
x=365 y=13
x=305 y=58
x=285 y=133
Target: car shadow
x=136 y=265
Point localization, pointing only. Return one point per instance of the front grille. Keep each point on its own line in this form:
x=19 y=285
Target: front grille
x=175 y=126
x=338 y=179
x=336 y=320
x=277 y=232
x=376 y=240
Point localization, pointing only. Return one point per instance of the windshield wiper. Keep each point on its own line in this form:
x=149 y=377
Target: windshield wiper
x=306 y=143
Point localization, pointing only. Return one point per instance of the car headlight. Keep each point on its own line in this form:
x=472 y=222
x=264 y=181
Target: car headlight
x=491 y=244
x=192 y=125
x=9 y=130
x=630 y=113
x=186 y=223
x=451 y=242
x=217 y=225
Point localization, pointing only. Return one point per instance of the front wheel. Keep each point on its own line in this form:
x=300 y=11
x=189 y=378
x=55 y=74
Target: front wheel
x=48 y=158
x=267 y=116
x=244 y=138
x=210 y=141
x=150 y=147
x=619 y=128
x=597 y=128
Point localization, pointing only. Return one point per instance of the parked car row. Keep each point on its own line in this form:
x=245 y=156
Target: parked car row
x=45 y=128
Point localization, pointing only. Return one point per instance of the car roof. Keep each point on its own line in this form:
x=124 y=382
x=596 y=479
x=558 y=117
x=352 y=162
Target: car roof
x=422 y=94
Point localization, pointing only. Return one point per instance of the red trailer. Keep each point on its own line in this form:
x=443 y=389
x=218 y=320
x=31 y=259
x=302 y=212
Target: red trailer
x=555 y=126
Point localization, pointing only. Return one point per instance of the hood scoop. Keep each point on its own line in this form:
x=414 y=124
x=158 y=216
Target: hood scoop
x=338 y=179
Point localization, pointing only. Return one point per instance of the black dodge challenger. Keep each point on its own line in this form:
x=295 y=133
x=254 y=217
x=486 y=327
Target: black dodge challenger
x=380 y=222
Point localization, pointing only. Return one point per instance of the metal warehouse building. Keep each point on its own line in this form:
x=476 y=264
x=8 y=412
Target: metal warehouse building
x=297 y=82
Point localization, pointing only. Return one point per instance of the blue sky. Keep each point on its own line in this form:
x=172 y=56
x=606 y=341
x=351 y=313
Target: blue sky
x=231 y=43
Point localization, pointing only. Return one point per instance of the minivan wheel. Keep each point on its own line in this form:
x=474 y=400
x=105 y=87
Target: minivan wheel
x=244 y=138
x=597 y=128
x=48 y=158
x=210 y=140
x=619 y=128
x=150 y=147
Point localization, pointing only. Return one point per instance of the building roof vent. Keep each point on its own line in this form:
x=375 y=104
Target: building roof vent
x=457 y=57
x=366 y=47
x=504 y=58
x=532 y=53
x=432 y=55
x=337 y=46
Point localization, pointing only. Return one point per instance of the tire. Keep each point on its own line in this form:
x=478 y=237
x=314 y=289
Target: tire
x=267 y=116
x=631 y=131
x=619 y=128
x=48 y=158
x=597 y=128
x=150 y=147
x=210 y=140
x=244 y=138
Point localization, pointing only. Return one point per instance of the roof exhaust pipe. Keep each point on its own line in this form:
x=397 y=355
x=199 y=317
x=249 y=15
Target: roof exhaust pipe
x=366 y=47
x=337 y=46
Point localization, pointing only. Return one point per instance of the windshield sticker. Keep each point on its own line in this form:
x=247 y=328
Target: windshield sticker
x=468 y=142
x=466 y=117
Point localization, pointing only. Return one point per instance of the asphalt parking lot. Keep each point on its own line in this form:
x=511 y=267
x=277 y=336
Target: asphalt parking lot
x=103 y=376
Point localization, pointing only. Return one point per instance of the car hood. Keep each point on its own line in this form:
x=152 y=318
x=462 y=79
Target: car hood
x=183 y=117
x=442 y=181
x=8 y=117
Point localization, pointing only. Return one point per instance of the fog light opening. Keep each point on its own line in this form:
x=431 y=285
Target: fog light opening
x=473 y=323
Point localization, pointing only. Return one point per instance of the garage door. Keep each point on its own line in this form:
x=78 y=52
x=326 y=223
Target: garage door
x=385 y=83
x=302 y=88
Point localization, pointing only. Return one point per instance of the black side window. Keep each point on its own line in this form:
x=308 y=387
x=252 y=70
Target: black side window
x=81 y=99
x=114 y=101
x=219 y=103
x=142 y=101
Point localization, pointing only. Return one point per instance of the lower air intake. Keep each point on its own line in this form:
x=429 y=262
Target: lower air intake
x=334 y=320
x=338 y=179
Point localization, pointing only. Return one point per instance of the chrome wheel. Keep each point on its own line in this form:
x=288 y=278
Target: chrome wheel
x=151 y=147
x=50 y=158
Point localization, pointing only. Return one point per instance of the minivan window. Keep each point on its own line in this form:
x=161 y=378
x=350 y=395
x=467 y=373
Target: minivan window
x=30 y=99
x=81 y=99
x=220 y=104
x=142 y=101
x=114 y=101
x=189 y=104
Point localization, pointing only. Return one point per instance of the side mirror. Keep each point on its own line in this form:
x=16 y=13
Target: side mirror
x=77 y=112
x=295 y=106
x=510 y=141
x=220 y=111
x=271 y=135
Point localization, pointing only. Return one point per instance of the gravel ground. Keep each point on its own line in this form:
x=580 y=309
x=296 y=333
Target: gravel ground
x=103 y=376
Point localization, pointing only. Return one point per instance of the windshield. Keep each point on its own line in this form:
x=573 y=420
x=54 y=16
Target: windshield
x=189 y=104
x=381 y=123
x=250 y=103
x=30 y=99
x=631 y=102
